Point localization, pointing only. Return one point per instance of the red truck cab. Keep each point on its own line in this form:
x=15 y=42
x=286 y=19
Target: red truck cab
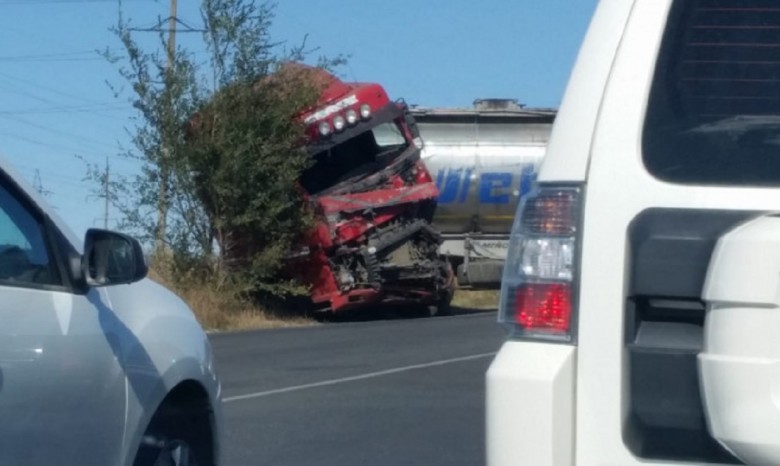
x=374 y=201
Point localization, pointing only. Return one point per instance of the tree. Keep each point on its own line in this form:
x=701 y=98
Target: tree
x=220 y=146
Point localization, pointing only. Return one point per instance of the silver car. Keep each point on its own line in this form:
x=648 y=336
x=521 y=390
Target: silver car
x=98 y=365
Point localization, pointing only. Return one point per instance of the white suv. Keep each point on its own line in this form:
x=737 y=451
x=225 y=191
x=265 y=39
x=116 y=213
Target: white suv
x=98 y=366
x=643 y=280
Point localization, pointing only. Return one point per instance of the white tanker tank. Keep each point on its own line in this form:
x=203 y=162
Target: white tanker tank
x=484 y=159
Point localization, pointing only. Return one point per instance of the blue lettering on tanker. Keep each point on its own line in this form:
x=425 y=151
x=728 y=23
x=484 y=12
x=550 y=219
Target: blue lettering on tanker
x=449 y=182
x=527 y=179
x=490 y=186
x=464 y=191
x=494 y=187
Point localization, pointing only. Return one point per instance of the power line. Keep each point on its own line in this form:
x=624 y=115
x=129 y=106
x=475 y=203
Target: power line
x=60 y=178
x=66 y=109
x=171 y=21
x=46 y=88
x=17 y=90
x=56 y=147
x=71 y=180
x=51 y=60
x=97 y=108
x=64 y=2
x=47 y=56
x=84 y=139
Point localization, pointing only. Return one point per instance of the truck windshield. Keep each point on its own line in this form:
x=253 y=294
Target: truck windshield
x=361 y=155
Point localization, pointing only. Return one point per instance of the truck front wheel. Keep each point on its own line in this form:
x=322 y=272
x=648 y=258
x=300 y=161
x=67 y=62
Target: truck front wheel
x=443 y=307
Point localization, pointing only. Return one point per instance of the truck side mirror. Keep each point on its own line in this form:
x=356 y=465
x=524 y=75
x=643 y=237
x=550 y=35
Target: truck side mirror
x=112 y=259
x=411 y=123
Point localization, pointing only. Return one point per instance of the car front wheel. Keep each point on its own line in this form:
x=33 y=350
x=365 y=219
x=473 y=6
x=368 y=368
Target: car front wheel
x=174 y=438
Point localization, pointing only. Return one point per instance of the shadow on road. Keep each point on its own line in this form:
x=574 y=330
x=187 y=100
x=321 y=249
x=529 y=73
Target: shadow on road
x=391 y=313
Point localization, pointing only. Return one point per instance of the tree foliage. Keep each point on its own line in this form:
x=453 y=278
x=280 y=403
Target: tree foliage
x=220 y=146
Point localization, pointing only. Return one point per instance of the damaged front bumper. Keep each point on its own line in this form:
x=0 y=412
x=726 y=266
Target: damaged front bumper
x=374 y=243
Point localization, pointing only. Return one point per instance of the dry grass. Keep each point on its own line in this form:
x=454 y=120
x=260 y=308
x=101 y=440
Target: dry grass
x=219 y=311
x=216 y=312
x=476 y=299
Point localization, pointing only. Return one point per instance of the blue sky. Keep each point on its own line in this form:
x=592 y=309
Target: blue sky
x=55 y=103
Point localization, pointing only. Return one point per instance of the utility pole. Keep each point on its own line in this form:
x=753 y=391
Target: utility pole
x=106 y=196
x=172 y=35
x=162 y=202
x=38 y=185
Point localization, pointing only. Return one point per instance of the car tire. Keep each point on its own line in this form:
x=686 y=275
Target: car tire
x=175 y=437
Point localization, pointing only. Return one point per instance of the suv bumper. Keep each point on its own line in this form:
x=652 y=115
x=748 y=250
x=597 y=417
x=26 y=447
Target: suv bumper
x=530 y=405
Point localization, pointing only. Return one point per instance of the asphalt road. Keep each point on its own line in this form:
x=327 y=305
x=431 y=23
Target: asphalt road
x=398 y=392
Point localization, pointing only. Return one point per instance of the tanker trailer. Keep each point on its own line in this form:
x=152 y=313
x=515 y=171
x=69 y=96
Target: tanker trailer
x=484 y=160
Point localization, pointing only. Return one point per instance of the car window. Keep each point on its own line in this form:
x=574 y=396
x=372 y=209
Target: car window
x=24 y=257
x=714 y=109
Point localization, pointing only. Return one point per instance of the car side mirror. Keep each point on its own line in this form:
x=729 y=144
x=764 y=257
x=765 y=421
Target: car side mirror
x=112 y=259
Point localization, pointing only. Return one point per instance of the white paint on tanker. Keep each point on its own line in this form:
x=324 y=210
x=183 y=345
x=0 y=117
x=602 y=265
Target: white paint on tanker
x=483 y=160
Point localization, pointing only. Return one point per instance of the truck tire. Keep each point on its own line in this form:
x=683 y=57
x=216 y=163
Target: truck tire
x=444 y=306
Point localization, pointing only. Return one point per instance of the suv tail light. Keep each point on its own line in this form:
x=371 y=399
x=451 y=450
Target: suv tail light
x=538 y=289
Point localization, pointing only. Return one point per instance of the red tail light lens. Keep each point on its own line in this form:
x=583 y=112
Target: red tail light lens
x=543 y=307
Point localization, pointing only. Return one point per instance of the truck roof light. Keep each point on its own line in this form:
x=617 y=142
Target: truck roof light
x=324 y=128
x=365 y=111
x=352 y=117
x=339 y=123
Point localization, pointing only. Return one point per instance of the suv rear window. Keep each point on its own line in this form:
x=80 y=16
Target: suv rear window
x=714 y=110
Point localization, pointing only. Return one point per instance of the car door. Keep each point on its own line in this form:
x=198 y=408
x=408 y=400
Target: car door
x=62 y=390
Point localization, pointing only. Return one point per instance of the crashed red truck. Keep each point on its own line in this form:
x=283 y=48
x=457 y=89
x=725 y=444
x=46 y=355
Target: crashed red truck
x=374 y=201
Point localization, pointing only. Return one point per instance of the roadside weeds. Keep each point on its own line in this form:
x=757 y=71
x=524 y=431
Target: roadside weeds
x=219 y=311
x=483 y=300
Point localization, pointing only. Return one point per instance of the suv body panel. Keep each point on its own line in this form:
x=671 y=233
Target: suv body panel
x=739 y=374
x=572 y=132
x=619 y=188
x=597 y=141
x=539 y=424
